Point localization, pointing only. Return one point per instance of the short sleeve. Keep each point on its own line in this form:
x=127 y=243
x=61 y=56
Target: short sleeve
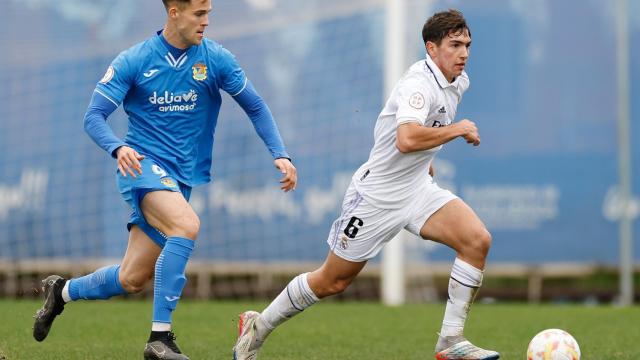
x=414 y=101
x=117 y=80
x=232 y=77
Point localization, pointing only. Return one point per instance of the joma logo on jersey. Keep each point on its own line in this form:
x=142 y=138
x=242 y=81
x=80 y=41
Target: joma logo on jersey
x=169 y=101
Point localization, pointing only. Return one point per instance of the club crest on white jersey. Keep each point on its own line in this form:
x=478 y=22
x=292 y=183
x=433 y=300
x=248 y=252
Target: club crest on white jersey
x=416 y=100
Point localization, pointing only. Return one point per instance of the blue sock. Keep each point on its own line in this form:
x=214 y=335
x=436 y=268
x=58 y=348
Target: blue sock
x=101 y=284
x=169 y=277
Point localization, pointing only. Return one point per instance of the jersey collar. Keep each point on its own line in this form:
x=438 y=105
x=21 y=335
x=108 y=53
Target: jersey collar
x=175 y=63
x=175 y=52
x=439 y=76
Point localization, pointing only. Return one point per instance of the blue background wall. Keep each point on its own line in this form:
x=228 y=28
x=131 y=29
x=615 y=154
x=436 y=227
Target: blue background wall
x=543 y=93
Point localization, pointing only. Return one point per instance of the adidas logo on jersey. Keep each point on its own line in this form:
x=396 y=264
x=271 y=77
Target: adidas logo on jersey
x=442 y=110
x=174 y=102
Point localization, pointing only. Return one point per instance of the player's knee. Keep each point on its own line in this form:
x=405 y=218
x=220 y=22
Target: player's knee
x=191 y=227
x=482 y=242
x=133 y=283
x=337 y=286
x=187 y=226
x=475 y=244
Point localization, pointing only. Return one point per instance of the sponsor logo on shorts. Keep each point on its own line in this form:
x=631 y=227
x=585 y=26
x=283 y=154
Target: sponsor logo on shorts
x=168 y=182
x=158 y=170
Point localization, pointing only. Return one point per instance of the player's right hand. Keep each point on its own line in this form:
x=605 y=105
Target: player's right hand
x=128 y=161
x=289 y=174
x=469 y=131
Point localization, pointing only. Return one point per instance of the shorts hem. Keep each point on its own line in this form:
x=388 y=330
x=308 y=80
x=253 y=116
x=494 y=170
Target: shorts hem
x=343 y=256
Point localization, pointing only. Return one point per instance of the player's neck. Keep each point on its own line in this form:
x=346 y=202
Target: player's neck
x=173 y=38
x=174 y=51
x=449 y=77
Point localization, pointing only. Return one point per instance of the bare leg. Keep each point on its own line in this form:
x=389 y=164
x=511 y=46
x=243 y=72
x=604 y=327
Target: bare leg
x=170 y=213
x=139 y=261
x=458 y=227
x=333 y=277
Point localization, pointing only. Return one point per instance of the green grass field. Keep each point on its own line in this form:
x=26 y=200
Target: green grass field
x=330 y=330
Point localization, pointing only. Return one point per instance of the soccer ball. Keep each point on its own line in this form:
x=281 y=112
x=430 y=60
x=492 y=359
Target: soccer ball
x=553 y=344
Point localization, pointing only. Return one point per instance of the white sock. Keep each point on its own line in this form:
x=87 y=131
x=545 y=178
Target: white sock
x=463 y=286
x=65 y=292
x=160 y=326
x=296 y=297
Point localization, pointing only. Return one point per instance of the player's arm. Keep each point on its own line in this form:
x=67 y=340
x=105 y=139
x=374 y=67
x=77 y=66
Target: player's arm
x=95 y=125
x=412 y=136
x=264 y=124
x=108 y=95
x=235 y=83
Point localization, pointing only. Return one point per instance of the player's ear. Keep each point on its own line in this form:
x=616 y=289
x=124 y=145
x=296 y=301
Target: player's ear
x=430 y=46
x=173 y=12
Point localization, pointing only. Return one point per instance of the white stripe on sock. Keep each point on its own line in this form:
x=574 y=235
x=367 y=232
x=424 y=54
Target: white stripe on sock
x=296 y=297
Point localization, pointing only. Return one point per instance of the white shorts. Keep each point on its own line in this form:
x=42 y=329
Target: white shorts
x=362 y=229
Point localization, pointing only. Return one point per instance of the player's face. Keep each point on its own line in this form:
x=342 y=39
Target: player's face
x=452 y=54
x=191 y=20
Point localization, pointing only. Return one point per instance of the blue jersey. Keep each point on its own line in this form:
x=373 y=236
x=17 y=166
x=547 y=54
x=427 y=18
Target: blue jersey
x=173 y=104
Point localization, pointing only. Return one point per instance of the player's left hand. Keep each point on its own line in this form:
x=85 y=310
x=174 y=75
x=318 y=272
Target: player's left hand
x=290 y=178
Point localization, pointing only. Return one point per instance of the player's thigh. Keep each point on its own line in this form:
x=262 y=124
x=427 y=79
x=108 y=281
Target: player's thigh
x=139 y=261
x=455 y=224
x=334 y=275
x=169 y=212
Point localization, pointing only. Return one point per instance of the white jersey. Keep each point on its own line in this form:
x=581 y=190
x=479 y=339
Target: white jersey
x=389 y=179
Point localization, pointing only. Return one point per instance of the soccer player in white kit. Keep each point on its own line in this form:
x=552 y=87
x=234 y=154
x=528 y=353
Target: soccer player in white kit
x=393 y=190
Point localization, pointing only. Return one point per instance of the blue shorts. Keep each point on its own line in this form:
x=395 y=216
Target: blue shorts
x=133 y=190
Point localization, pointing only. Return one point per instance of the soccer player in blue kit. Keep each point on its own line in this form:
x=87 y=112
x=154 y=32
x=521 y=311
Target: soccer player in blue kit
x=169 y=86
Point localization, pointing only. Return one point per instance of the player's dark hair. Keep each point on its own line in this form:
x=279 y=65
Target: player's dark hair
x=180 y=2
x=442 y=24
